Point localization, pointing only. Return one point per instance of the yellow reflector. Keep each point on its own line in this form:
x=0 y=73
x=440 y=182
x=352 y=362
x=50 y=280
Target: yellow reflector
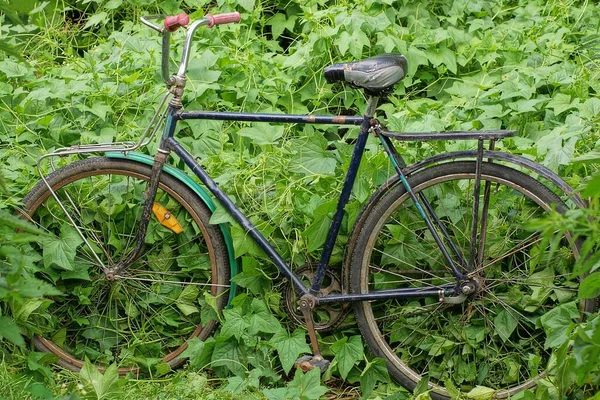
x=166 y=219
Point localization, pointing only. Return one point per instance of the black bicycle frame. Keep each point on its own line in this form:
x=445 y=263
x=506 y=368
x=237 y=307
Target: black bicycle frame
x=171 y=144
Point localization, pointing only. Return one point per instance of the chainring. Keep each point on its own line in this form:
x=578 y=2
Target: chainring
x=326 y=317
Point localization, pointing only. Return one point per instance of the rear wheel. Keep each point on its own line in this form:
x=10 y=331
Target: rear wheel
x=496 y=337
x=143 y=316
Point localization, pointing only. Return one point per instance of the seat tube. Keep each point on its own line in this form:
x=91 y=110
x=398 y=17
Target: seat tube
x=334 y=228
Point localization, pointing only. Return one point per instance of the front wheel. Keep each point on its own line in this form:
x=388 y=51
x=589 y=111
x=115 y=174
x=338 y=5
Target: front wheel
x=142 y=317
x=496 y=337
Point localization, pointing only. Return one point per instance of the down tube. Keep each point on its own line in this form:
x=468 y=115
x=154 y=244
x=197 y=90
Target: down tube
x=236 y=214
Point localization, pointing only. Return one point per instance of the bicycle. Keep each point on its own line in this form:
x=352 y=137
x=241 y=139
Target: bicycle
x=431 y=294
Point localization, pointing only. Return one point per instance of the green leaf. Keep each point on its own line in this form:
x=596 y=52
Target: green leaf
x=261 y=319
x=20 y=224
x=442 y=55
x=481 y=393
x=262 y=134
x=562 y=102
x=505 y=324
x=558 y=323
x=348 y=352
x=10 y=331
x=590 y=286
x=312 y=158
x=289 y=347
x=590 y=109
x=375 y=371
x=61 y=251
x=235 y=324
x=251 y=277
x=96 y=19
x=103 y=386
x=592 y=187
x=280 y=23
x=13 y=69
x=199 y=352
x=316 y=233
x=227 y=353
x=247 y=5
x=186 y=302
x=308 y=384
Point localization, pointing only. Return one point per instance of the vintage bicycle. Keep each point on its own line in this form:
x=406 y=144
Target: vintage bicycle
x=445 y=274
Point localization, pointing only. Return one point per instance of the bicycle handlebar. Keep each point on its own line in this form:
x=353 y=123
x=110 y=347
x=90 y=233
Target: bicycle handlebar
x=221 y=19
x=172 y=23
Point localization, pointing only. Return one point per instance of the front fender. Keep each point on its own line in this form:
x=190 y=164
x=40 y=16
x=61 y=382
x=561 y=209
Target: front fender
x=202 y=194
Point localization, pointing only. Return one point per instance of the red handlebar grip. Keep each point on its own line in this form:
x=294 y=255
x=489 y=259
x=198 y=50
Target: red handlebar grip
x=222 y=18
x=174 y=22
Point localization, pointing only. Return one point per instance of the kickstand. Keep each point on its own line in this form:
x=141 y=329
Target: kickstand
x=307 y=363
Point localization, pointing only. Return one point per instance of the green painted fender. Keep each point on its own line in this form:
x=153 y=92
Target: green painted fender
x=204 y=196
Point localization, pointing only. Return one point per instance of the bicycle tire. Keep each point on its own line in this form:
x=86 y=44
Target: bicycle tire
x=491 y=339
x=147 y=315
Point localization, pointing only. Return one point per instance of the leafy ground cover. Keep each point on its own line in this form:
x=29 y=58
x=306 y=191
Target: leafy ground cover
x=90 y=75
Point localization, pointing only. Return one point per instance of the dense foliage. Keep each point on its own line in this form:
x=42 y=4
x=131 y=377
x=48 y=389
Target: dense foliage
x=90 y=74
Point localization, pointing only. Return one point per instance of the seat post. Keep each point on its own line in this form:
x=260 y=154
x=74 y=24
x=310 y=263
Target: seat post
x=372 y=102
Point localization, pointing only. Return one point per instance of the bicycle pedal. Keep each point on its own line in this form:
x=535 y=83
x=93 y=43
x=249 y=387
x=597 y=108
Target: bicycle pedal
x=308 y=363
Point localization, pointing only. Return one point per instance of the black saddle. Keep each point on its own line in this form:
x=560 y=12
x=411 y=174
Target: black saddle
x=377 y=75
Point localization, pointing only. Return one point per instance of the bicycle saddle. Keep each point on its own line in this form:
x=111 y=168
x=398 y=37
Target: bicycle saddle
x=377 y=75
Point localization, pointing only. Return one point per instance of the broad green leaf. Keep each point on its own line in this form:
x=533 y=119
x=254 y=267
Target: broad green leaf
x=562 y=102
x=348 y=352
x=375 y=371
x=558 y=323
x=227 y=353
x=312 y=158
x=235 y=323
x=247 y=5
x=251 y=277
x=358 y=41
x=236 y=385
x=61 y=251
x=186 y=302
x=481 y=393
x=590 y=109
x=280 y=23
x=102 y=385
x=262 y=134
x=592 y=187
x=282 y=393
x=289 y=347
x=96 y=19
x=316 y=233
x=505 y=324
x=308 y=384
x=442 y=55
x=199 y=352
x=20 y=224
x=22 y=312
x=262 y=319
x=10 y=331
x=13 y=69
x=590 y=286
